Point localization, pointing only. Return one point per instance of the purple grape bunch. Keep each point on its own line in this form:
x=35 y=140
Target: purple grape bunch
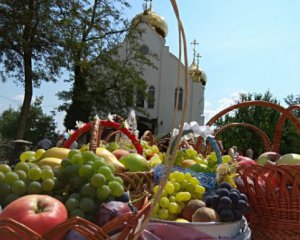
x=229 y=203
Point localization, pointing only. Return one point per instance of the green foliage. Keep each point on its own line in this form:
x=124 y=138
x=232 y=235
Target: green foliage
x=262 y=117
x=292 y=100
x=8 y=123
x=40 y=38
x=37 y=126
x=91 y=30
x=29 y=51
x=291 y=137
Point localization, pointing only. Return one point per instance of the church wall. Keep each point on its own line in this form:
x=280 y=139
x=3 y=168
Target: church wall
x=164 y=79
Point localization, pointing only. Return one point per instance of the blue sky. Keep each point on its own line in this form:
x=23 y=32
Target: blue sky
x=246 y=46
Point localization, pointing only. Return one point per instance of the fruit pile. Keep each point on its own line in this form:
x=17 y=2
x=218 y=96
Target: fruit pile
x=87 y=185
x=82 y=183
x=185 y=199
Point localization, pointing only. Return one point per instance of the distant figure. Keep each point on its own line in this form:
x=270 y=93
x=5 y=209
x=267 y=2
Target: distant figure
x=60 y=141
x=233 y=153
x=249 y=153
x=74 y=145
x=44 y=143
x=63 y=138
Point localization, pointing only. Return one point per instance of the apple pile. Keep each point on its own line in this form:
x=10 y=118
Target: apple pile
x=270 y=158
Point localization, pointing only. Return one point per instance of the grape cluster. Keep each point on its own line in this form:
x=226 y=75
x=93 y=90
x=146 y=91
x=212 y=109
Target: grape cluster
x=189 y=153
x=89 y=181
x=82 y=182
x=180 y=188
x=24 y=178
x=229 y=202
x=148 y=150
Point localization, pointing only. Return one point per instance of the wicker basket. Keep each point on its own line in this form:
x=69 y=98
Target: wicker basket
x=126 y=225
x=274 y=197
x=138 y=183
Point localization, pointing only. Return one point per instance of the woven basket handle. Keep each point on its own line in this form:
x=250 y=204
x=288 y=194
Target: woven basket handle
x=263 y=136
x=96 y=128
x=278 y=131
x=148 y=136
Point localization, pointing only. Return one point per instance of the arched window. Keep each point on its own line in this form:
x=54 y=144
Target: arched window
x=151 y=96
x=179 y=99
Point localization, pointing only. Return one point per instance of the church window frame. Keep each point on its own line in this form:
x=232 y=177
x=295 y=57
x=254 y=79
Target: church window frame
x=180 y=98
x=140 y=98
x=151 y=97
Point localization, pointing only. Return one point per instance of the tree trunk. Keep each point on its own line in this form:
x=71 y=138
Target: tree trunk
x=28 y=93
x=80 y=109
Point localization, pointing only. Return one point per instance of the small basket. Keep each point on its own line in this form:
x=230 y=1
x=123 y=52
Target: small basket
x=274 y=197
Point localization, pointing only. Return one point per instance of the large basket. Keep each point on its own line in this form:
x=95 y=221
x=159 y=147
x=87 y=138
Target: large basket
x=125 y=225
x=274 y=198
x=138 y=183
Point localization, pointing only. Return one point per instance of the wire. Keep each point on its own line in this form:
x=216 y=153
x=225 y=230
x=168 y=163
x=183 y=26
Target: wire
x=9 y=99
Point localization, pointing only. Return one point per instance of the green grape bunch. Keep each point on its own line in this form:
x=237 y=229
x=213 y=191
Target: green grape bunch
x=179 y=190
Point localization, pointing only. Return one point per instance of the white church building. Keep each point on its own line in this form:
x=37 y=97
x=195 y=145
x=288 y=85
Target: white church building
x=162 y=80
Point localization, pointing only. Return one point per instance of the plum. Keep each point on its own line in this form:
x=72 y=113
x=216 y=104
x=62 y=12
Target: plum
x=109 y=210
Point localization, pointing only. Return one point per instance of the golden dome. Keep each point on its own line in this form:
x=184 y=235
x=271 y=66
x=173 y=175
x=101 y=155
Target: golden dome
x=156 y=21
x=193 y=68
x=197 y=74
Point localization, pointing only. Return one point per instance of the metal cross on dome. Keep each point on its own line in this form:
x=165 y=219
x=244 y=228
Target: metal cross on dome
x=194 y=48
x=145 y=5
x=198 y=57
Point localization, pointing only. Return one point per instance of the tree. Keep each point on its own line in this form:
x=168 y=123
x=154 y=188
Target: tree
x=292 y=136
x=37 y=126
x=29 y=51
x=116 y=84
x=292 y=100
x=92 y=31
x=89 y=27
x=261 y=117
x=8 y=123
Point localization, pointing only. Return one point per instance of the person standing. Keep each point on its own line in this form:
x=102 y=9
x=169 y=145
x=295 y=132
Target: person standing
x=45 y=143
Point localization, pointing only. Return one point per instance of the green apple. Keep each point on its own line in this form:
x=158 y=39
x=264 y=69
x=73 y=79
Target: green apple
x=135 y=162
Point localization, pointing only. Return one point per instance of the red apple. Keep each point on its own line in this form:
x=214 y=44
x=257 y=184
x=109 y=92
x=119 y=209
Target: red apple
x=120 y=153
x=242 y=161
x=240 y=158
x=38 y=212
